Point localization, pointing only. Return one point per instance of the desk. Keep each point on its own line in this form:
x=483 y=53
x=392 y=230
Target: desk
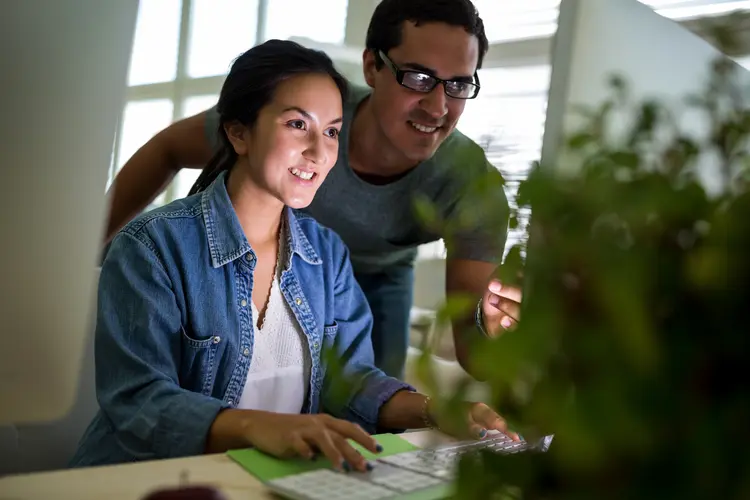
x=134 y=481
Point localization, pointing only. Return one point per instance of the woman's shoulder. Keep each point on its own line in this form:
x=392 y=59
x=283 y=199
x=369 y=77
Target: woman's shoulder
x=171 y=221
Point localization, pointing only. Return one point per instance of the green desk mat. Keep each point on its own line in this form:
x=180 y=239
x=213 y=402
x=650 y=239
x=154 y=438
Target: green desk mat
x=267 y=468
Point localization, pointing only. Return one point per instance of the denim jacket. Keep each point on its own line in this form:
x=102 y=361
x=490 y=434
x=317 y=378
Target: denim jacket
x=174 y=331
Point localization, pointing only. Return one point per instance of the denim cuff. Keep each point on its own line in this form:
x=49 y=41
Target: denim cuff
x=184 y=424
x=479 y=318
x=364 y=409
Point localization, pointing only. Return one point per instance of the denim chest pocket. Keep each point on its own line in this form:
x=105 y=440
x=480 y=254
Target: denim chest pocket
x=197 y=364
x=330 y=330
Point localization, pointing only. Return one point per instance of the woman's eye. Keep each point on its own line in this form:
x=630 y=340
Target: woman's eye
x=332 y=132
x=297 y=124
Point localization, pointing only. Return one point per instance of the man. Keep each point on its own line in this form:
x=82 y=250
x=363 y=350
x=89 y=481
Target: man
x=398 y=144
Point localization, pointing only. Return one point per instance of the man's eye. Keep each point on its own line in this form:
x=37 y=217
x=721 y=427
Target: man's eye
x=418 y=79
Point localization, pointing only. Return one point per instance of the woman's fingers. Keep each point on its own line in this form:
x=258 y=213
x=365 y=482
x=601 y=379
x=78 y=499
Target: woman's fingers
x=302 y=448
x=355 y=433
x=351 y=456
x=320 y=438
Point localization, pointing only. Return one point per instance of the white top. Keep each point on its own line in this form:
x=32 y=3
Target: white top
x=279 y=374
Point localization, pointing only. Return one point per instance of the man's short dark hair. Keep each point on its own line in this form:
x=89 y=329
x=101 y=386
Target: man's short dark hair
x=386 y=26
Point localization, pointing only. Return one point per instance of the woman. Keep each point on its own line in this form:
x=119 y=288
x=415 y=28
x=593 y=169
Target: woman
x=215 y=312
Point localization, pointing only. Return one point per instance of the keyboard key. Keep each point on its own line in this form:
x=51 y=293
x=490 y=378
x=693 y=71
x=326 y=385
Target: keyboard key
x=328 y=485
x=399 y=479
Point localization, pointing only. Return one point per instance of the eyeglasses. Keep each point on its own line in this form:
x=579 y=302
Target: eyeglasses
x=425 y=82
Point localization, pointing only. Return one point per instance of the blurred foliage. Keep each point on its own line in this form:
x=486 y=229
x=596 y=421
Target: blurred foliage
x=634 y=330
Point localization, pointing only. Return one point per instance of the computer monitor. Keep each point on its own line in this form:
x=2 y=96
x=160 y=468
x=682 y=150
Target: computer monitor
x=596 y=39
x=657 y=57
x=64 y=65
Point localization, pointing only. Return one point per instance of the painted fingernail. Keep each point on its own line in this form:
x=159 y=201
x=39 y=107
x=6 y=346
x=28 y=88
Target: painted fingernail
x=482 y=433
x=506 y=322
x=368 y=466
x=346 y=466
x=378 y=448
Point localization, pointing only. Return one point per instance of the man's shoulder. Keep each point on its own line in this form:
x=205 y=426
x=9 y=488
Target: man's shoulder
x=460 y=160
x=459 y=149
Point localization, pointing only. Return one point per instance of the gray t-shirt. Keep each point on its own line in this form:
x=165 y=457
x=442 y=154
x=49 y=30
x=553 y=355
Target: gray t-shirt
x=379 y=223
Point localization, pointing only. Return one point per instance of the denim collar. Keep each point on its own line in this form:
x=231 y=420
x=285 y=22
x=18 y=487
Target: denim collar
x=226 y=239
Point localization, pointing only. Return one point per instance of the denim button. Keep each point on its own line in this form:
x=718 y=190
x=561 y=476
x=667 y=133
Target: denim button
x=230 y=402
x=243 y=303
x=249 y=257
x=315 y=345
x=217 y=339
x=246 y=352
x=298 y=301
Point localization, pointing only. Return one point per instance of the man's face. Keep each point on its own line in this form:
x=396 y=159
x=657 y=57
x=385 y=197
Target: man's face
x=416 y=123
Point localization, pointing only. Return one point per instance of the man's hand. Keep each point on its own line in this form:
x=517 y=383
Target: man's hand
x=501 y=308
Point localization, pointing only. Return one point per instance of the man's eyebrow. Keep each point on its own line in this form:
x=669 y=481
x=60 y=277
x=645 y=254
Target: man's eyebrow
x=309 y=116
x=430 y=71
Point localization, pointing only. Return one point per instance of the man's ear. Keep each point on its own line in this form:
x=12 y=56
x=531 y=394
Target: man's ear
x=238 y=137
x=368 y=67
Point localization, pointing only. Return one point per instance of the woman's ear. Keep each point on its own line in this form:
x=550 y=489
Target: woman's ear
x=238 y=137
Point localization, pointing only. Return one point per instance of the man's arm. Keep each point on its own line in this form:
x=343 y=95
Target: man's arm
x=500 y=305
x=466 y=277
x=148 y=172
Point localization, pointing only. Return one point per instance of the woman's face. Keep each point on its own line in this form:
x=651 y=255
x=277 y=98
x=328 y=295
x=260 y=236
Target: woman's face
x=294 y=143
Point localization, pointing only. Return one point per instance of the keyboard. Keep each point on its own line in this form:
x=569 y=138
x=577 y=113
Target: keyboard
x=429 y=472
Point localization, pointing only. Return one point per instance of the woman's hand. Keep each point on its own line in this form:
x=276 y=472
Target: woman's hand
x=473 y=421
x=287 y=435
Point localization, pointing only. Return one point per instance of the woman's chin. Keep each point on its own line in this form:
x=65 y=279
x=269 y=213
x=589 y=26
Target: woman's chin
x=297 y=202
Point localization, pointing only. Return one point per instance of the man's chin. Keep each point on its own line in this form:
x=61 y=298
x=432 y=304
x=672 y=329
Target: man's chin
x=419 y=155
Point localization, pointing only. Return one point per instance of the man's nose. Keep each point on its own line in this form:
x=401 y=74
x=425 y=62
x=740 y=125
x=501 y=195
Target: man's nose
x=436 y=102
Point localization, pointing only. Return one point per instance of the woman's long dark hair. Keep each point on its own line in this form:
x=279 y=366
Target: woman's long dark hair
x=250 y=86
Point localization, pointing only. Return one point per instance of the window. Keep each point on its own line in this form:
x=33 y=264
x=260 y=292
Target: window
x=319 y=21
x=511 y=134
x=154 y=55
x=220 y=30
x=141 y=121
x=508 y=20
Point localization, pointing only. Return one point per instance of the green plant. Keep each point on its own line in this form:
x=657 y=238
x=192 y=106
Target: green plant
x=634 y=330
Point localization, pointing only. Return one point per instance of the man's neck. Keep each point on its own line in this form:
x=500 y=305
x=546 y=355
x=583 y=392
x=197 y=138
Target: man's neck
x=259 y=213
x=371 y=154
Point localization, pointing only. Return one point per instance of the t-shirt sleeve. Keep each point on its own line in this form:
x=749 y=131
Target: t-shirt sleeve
x=477 y=221
x=211 y=128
